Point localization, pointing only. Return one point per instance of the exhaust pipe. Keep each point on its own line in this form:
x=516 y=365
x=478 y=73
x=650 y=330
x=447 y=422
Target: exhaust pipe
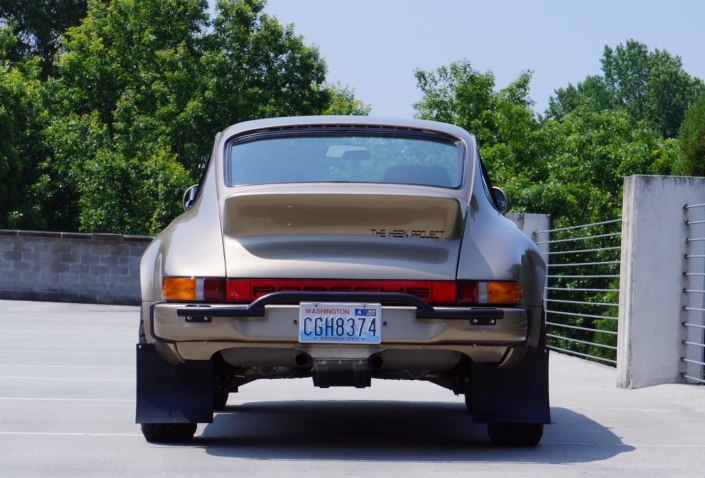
x=375 y=362
x=302 y=360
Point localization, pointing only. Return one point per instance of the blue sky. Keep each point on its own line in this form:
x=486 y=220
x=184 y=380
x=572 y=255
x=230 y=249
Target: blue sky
x=375 y=45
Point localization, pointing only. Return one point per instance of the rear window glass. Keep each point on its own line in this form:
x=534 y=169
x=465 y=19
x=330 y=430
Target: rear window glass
x=356 y=158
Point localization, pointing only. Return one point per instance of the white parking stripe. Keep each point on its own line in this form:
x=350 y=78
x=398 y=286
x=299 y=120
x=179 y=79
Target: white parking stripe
x=621 y=409
x=97 y=352
x=64 y=366
x=31 y=307
x=45 y=399
x=75 y=434
x=80 y=379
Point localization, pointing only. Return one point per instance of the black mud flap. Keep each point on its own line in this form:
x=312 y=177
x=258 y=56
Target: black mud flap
x=518 y=395
x=173 y=393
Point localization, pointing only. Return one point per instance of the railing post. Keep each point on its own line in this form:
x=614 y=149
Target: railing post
x=650 y=340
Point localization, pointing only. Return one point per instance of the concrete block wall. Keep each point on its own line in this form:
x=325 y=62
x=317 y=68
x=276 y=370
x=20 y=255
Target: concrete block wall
x=70 y=267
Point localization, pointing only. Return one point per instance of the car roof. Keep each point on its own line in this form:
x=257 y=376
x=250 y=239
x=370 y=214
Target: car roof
x=375 y=121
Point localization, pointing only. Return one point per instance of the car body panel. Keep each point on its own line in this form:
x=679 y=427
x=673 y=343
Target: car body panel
x=323 y=232
x=351 y=231
x=400 y=326
x=192 y=245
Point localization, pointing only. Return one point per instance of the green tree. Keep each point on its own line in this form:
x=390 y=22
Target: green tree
x=691 y=140
x=21 y=148
x=123 y=106
x=571 y=168
x=38 y=26
x=142 y=88
x=586 y=156
x=255 y=67
x=502 y=121
x=651 y=86
x=343 y=102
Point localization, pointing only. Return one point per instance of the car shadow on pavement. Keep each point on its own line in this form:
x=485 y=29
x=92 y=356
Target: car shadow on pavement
x=391 y=431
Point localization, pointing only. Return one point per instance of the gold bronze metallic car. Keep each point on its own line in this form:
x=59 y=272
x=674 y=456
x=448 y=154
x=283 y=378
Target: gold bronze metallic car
x=344 y=249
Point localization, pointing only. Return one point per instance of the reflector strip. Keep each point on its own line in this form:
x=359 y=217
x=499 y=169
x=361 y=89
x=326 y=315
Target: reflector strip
x=434 y=292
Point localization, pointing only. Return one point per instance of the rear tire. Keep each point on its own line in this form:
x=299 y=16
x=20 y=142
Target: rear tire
x=220 y=400
x=168 y=432
x=515 y=434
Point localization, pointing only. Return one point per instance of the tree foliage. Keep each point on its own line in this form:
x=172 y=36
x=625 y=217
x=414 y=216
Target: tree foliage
x=343 y=102
x=650 y=86
x=140 y=88
x=21 y=148
x=691 y=139
x=38 y=26
x=569 y=165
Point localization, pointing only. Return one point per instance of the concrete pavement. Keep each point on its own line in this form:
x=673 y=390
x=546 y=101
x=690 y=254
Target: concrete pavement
x=67 y=409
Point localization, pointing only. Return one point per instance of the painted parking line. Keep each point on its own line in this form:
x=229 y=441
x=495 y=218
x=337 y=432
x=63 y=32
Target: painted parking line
x=66 y=366
x=97 y=352
x=619 y=445
x=622 y=409
x=80 y=379
x=67 y=434
x=30 y=307
x=46 y=399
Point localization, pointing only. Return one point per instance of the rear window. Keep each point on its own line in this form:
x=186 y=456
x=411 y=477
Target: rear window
x=354 y=158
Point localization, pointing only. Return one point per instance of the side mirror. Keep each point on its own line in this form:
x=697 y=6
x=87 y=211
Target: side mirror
x=190 y=197
x=501 y=199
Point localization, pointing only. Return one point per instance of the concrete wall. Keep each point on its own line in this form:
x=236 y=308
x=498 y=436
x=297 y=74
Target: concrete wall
x=70 y=267
x=652 y=281
x=535 y=226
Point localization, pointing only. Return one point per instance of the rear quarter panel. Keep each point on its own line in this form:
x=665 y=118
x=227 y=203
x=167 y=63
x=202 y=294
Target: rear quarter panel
x=192 y=245
x=494 y=248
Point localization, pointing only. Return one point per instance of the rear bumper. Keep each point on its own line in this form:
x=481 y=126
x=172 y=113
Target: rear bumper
x=408 y=324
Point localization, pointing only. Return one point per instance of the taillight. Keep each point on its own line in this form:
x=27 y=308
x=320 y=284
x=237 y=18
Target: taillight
x=489 y=293
x=238 y=291
x=443 y=292
x=193 y=289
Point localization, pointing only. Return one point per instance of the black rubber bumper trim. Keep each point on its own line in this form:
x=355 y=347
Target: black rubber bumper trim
x=424 y=310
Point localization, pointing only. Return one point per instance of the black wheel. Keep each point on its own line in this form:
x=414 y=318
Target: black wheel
x=168 y=432
x=515 y=434
x=220 y=399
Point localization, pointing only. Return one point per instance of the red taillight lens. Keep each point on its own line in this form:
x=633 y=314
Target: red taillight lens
x=467 y=293
x=189 y=289
x=213 y=290
x=238 y=291
x=247 y=290
x=443 y=293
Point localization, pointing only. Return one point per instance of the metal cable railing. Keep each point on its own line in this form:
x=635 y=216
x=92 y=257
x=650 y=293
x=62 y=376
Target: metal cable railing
x=694 y=295
x=582 y=292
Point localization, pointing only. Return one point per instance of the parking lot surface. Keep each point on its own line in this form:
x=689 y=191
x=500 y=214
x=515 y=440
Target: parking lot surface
x=67 y=409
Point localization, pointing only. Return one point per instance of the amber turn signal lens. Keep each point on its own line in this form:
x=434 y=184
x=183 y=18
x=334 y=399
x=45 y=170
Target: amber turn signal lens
x=504 y=293
x=489 y=293
x=178 y=288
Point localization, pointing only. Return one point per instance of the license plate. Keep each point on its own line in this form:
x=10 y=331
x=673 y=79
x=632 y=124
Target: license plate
x=340 y=323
